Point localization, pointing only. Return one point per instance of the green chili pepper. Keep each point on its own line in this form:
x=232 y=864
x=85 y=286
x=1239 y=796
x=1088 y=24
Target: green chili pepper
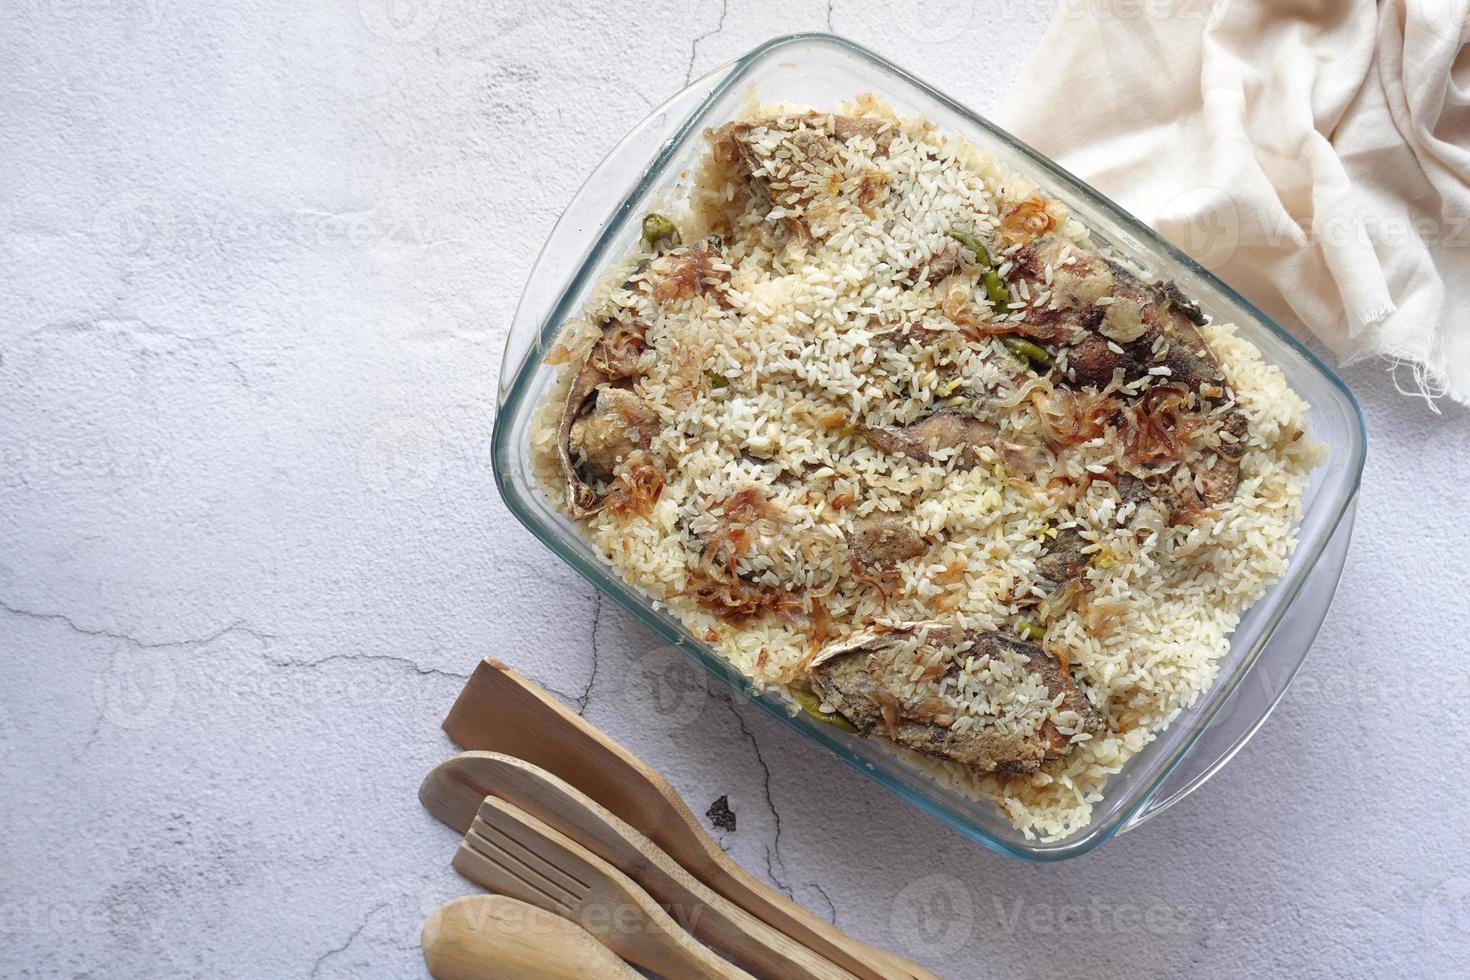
x=995 y=288
x=716 y=379
x=657 y=228
x=1000 y=297
x=1033 y=354
x=812 y=705
x=974 y=244
x=1030 y=630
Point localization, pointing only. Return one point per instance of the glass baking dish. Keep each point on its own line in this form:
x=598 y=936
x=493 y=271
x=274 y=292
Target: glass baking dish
x=652 y=167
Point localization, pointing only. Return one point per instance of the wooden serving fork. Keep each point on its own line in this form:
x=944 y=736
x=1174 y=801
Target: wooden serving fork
x=511 y=852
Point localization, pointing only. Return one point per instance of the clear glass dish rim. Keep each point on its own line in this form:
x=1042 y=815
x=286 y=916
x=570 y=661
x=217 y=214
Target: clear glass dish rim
x=519 y=388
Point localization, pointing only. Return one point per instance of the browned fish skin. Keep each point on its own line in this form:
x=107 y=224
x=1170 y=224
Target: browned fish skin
x=1218 y=481
x=948 y=259
x=808 y=134
x=1057 y=681
x=848 y=128
x=1236 y=427
x=1063 y=560
x=882 y=541
x=942 y=430
x=1189 y=358
x=612 y=359
x=1092 y=362
x=1187 y=307
x=849 y=676
x=857 y=695
x=618 y=423
x=1076 y=285
x=1139 y=314
x=1132 y=490
x=1219 y=477
x=1141 y=328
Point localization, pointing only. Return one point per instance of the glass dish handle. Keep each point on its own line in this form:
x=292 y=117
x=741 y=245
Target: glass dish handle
x=587 y=216
x=1262 y=688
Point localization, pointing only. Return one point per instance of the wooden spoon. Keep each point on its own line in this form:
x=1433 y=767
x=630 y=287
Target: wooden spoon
x=494 y=936
x=502 y=711
x=455 y=790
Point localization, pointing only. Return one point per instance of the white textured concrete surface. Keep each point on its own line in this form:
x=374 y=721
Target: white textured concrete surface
x=257 y=266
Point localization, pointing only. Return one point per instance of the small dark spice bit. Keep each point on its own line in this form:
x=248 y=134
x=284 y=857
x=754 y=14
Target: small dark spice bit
x=721 y=815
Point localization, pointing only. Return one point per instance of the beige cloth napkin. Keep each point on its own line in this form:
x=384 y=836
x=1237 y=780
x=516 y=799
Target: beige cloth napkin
x=1315 y=154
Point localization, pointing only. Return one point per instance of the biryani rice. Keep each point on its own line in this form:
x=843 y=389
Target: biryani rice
x=766 y=381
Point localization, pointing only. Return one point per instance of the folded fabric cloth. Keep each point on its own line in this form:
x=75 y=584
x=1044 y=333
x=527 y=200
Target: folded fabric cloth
x=1315 y=154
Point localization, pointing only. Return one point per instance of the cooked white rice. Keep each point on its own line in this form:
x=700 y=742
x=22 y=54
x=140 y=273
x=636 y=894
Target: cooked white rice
x=800 y=340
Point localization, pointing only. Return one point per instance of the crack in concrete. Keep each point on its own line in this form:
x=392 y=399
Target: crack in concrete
x=373 y=657
x=694 y=45
x=642 y=98
x=92 y=736
x=830 y=29
x=569 y=699
x=773 y=851
x=831 y=908
x=775 y=847
x=238 y=626
x=317 y=966
x=582 y=699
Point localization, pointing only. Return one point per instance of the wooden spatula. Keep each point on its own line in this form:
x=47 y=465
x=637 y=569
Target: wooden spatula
x=481 y=936
x=502 y=711
x=456 y=788
x=509 y=851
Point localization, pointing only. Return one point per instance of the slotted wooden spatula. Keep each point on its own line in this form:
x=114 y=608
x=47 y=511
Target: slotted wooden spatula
x=501 y=711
